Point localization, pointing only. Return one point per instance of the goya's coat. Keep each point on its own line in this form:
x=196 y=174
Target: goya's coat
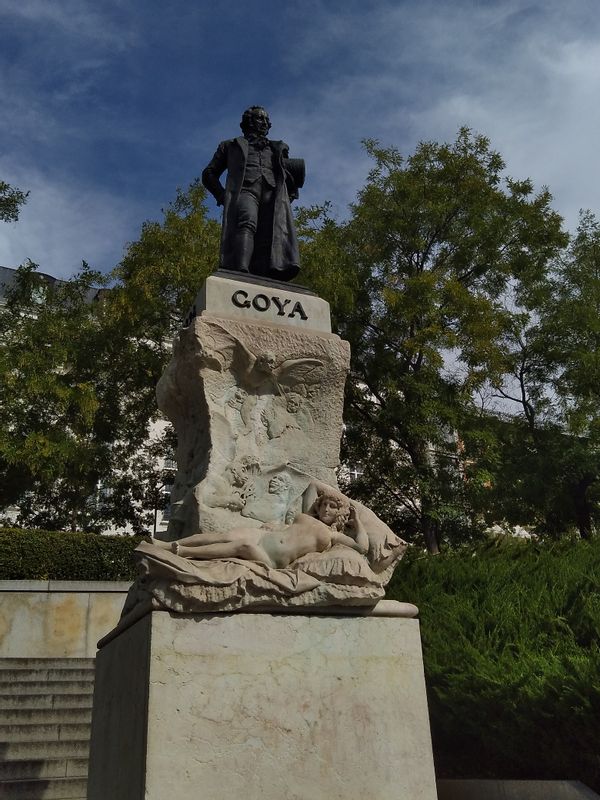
x=232 y=155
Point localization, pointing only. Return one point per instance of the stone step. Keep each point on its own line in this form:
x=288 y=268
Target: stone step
x=47 y=687
x=490 y=789
x=26 y=751
x=46 y=674
x=51 y=789
x=29 y=716
x=43 y=700
x=37 y=732
x=45 y=722
x=44 y=663
x=34 y=769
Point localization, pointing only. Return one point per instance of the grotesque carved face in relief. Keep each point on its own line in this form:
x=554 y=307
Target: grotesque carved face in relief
x=236 y=474
x=237 y=399
x=266 y=362
x=293 y=402
x=278 y=484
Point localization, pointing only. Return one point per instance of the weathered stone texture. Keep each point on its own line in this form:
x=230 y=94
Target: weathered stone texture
x=57 y=624
x=261 y=706
x=250 y=403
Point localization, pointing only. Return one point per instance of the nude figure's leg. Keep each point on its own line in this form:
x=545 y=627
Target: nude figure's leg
x=230 y=549
x=200 y=539
x=194 y=541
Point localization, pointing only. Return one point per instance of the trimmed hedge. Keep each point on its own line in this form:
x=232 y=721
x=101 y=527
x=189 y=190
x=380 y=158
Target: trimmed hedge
x=56 y=555
x=511 y=638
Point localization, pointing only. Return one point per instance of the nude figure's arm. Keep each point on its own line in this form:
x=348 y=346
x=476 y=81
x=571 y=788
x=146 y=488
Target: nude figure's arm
x=348 y=541
x=311 y=493
x=358 y=530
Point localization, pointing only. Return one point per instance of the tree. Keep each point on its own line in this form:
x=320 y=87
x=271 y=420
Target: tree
x=78 y=375
x=433 y=242
x=134 y=494
x=11 y=199
x=161 y=273
x=50 y=410
x=571 y=327
x=545 y=464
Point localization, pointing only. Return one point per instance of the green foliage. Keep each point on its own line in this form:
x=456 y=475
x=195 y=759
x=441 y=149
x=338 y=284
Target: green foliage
x=510 y=639
x=11 y=199
x=162 y=271
x=549 y=463
x=571 y=325
x=570 y=332
x=78 y=376
x=326 y=267
x=433 y=242
x=135 y=494
x=51 y=413
x=52 y=555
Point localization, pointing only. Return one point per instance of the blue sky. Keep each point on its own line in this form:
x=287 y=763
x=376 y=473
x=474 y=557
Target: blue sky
x=108 y=106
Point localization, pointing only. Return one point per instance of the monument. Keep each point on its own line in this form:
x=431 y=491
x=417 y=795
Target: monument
x=256 y=655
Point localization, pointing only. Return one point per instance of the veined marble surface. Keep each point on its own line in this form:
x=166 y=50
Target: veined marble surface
x=262 y=707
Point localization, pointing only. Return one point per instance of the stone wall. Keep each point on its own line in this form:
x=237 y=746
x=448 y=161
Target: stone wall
x=57 y=619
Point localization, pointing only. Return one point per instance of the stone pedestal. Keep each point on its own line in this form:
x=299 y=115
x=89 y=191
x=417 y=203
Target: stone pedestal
x=255 y=392
x=262 y=707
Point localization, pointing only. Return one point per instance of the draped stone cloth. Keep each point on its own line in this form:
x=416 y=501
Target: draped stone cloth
x=338 y=576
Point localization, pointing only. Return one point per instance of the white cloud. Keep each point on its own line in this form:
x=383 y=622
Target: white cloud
x=64 y=51
x=541 y=114
x=74 y=19
x=525 y=74
x=63 y=224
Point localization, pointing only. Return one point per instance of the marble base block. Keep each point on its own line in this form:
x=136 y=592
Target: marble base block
x=261 y=706
x=229 y=295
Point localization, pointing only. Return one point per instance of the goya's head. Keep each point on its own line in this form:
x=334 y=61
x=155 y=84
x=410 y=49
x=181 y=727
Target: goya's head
x=255 y=121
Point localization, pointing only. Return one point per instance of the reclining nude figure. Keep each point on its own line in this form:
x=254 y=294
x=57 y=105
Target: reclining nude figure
x=278 y=546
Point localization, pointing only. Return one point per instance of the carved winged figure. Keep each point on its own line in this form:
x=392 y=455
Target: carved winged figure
x=254 y=371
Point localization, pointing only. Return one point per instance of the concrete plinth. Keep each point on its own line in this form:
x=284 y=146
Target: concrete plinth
x=261 y=706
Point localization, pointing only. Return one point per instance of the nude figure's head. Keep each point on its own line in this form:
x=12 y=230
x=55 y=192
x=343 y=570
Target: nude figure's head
x=333 y=509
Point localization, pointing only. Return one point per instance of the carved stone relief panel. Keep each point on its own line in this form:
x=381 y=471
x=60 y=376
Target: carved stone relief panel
x=258 y=413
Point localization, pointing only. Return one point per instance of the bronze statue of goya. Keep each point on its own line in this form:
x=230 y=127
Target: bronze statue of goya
x=258 y=235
